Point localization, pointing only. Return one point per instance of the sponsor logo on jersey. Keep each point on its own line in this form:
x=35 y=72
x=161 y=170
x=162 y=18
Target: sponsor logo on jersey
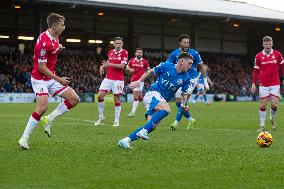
x=42 y=52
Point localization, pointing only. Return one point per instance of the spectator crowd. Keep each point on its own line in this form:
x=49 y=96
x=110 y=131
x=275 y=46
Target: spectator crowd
x=230 y=74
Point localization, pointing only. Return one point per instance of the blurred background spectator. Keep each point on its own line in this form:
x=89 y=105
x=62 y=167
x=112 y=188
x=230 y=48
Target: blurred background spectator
x=230 y=74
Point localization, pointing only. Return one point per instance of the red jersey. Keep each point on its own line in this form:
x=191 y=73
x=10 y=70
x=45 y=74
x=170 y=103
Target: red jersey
x=45 y=51
x=114 y=57
x=139 y=66
x=267 y=66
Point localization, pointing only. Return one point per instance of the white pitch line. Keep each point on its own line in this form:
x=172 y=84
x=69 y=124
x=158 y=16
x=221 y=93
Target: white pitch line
x=91 y=123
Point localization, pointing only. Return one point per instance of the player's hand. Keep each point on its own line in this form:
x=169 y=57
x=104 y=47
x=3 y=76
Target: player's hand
x=64 y=81
x=61 y=47
x=253 y=88
x=106 y=64
x=134 y=84
x=131 y=70
x=101 y=70
x=206 y=86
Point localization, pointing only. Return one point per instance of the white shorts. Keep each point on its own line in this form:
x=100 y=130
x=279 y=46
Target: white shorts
x=139 y=88
x=52 y=87
x=193 y=83
x=152 y=99
x=265 y=92
x=114 y=86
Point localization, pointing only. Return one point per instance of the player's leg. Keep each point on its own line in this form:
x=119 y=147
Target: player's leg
x=117 y=109
x=262 y=114
x=71 y=100
x=117 y=89
x=187 y=115
x=103 y=91
x=41 y=91
x=157 y=109
x=274 y=94
x=137 y=97
x=178 y=114
x=196 y=97
x=41 y=107
x=205 y=97
x=273 y=111
x=135 y=104
x=101 y=106
x=264 y=96
x=162 y=109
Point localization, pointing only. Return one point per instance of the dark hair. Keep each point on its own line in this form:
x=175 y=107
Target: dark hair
x=118 y=38
x=185 y=55
x=54 y=18
x=183 y=36
x=138 y=49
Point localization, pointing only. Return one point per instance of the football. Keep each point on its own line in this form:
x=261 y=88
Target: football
x=264 y=139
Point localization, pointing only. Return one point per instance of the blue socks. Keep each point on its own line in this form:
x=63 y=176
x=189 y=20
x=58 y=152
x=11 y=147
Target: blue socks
x=178 y=104
x=196 y=97
x=180 y=113
x=158 y=116
x=205 y=98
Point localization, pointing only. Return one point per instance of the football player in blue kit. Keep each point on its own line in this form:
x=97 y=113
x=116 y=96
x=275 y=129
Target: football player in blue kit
x=200 y=86
x=170 y=77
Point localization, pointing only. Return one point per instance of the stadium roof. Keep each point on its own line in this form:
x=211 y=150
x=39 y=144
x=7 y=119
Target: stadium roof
x=217 y=8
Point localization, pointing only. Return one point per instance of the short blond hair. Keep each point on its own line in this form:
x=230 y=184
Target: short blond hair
x=54 y=18
x=267 y=39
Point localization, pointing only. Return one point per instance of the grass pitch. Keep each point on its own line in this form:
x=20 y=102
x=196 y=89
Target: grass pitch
x=220 y=152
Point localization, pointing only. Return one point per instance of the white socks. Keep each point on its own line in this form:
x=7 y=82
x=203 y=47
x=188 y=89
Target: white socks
x=101 y=107
x=61 y=109
x=31 y=125
x=134 y=106
x=262 y=117
x=117 y=110
x=272 y=114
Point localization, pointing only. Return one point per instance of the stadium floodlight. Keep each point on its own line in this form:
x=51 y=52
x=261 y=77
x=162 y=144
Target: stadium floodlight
x=236 y=25
x=278 y=29
x=73 y=40
x=95 y=41
x=26 y=38
x=101 y=13
x=4 y=36
x=111 y=42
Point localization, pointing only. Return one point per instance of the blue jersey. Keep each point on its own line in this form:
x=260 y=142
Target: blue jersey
x=201 y=79
x=169 y=80
x=173 y=58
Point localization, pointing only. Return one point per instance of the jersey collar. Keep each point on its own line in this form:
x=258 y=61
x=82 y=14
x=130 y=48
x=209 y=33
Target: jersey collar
x=137 y=59
x=117 y=52
x=50 y=36
x=263 y=52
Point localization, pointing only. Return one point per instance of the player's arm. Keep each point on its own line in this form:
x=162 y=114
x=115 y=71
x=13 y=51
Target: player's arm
x=128 y=68
x=119 y=66
x=281 y=60
x=184 y=99
x=203 y=73
x=255 y=74
x=142 y=78
x=45 y=71
x=209 y=81
x=61 y=47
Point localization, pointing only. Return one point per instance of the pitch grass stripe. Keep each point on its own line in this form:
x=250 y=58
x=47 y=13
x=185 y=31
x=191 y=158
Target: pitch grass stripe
x=92 y=123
